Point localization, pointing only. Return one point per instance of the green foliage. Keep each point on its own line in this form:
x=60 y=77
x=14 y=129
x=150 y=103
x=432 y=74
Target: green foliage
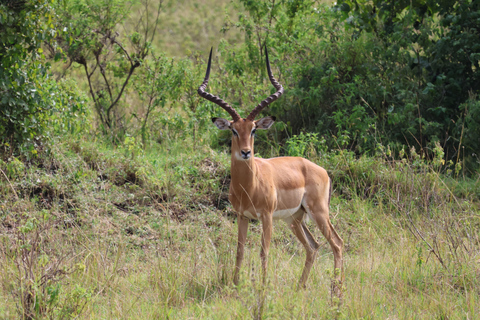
x=468 y=126
x=305 y=145
x=435 y=45
x=71 y=114
x=388 y=72
x=93 y=38
x=12 y=168
x=25 y=89
x=160 y=83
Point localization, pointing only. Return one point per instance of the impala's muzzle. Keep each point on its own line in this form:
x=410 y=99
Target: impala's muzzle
x=246 y=154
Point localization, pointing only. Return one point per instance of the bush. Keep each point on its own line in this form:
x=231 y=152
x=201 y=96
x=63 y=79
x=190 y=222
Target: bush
x=37 y=266
x=25 y=88
x=367 y=72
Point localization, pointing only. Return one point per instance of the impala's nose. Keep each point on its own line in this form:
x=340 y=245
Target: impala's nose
x=246 y=154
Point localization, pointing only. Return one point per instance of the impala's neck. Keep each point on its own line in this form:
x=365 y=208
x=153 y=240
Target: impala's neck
x=243 y=173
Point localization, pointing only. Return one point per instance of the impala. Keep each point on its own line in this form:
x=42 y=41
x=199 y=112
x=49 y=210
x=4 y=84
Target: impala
x=286 y=188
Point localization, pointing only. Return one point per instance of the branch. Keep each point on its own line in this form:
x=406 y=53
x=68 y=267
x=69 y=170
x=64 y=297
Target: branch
x=102 y=71
x=149 y=108
x=133 y=67
x=425 y=241
x=156 y=20
x=11 y=186
x=124 y=51
x=95 y=102
x=113 y=40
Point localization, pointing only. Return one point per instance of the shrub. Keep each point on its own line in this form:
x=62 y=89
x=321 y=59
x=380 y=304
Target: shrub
x=25 y=88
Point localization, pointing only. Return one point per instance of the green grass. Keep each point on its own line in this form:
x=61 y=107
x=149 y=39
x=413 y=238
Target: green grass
x=151 y=235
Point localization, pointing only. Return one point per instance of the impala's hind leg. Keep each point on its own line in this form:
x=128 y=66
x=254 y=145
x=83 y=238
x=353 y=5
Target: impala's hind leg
x=319 y=213
x=311 y=246
x=313 y=243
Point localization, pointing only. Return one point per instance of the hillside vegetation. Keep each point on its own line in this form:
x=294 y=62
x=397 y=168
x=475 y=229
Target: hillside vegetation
x=114 y=182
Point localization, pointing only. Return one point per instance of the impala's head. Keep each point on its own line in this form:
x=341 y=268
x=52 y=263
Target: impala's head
x=243 y=130
x=243 y=134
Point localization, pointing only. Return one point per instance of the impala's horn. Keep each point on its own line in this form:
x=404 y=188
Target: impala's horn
x=215 y=99
x=270 y=99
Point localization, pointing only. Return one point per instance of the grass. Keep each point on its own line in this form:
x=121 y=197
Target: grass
x=190 y=26
x=151 y=235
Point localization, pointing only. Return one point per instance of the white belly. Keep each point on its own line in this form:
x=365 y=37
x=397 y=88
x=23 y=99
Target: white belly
x=286 y=213
x=277 y=215
x=250 y=215
x=285 y=198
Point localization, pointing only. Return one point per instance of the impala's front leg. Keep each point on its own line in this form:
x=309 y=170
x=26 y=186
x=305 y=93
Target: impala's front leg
x=267 y=225
x=242 y=237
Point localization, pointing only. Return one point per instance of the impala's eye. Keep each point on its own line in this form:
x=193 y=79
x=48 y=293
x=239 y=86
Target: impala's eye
x=235 y=133
x=253 y=132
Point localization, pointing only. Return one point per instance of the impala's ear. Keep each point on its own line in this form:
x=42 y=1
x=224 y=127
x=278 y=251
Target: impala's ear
x=265 y=123
x=222 y=124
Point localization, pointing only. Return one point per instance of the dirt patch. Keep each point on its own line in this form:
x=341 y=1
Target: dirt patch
x=177 y=212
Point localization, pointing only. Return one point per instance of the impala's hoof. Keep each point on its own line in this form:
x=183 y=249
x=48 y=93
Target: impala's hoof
x=336 y=289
